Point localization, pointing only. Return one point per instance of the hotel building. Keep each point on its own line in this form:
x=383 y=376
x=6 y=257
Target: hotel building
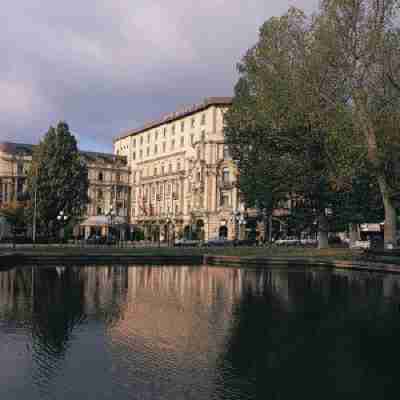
x=183 y=180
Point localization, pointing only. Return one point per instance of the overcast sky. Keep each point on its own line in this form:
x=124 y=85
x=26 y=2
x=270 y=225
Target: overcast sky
x=105 y=66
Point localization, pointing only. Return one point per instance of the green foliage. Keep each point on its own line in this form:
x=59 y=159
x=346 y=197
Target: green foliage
x=292 y=132
x=16 y=217
x=59 y=177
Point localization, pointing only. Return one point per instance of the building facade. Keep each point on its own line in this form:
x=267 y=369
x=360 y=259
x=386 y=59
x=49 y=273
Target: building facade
x=170 y=179
x=183 y=181
x=109 y=186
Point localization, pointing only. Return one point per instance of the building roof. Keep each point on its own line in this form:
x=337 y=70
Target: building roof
x=16 y=148
x=20 y=148
x=208 y=102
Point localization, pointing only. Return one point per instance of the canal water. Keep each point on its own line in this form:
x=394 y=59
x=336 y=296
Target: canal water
x=192 y=332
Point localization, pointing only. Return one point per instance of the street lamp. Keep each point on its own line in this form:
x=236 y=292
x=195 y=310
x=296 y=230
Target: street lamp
x=62 y=219
x=168 y=221
x=111 y=215
x=238 y=219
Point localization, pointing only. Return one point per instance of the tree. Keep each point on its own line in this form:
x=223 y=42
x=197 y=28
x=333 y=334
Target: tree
x=276 y=128
x=358 y=43
x=15 y=217
x=58 y=178
x=323 y=93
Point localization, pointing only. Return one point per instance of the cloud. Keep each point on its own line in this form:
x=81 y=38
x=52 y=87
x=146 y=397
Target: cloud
x=108 y=65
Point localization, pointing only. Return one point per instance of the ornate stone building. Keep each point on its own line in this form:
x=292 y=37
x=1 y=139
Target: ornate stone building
x=109 y=186
x=171 y=178
x=182 y=177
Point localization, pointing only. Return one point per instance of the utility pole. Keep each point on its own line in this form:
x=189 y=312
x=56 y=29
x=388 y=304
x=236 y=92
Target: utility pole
x=34 y=213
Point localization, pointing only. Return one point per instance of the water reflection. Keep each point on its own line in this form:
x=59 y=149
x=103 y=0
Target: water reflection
x=196 y=332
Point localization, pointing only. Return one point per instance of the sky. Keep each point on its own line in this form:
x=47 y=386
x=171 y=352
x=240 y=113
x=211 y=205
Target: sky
x=105 y=66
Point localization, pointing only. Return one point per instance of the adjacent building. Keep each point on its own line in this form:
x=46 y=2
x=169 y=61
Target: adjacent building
x=109 y=186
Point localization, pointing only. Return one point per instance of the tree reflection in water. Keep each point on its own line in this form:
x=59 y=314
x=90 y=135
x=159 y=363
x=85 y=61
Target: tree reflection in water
x=338 y=340
x=203 y=333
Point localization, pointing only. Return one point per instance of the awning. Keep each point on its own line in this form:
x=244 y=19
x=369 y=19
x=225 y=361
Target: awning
x=103 y=220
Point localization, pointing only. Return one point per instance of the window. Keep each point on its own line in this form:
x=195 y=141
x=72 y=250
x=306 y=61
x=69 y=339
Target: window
x=164 y=147
x=100 y=176
x=100 y=194
x=182 y=126
x=203 y=136
x=192 y=139
x=20 y=169
x=148 y=138
x=155 y=171
x=162 y=169
x=165 y=132
x=203 y=119
x=225 y=175
x=224 y=200
x=182 y=141
x=134 y=143
x=99 y=211
x=118 y=177
x=156 y=135
x=172 y=144
x=173 y=129
x=155 y=149
x=170 y=168
x=178 y=166
x=141 y=154
x=192 y=122
x=133 y=156
x=148 y=151
x=226 y=152
x=141 y=140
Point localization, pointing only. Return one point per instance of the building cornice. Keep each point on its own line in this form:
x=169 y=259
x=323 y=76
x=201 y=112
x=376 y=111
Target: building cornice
x=208 y=102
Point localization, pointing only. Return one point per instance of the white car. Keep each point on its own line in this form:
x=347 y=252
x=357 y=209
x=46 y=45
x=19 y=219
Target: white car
x=361 y=244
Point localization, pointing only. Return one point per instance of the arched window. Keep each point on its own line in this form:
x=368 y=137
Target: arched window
x=225 y=175
x=100 y=176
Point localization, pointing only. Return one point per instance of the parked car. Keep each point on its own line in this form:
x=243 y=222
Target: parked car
x=245 y=242
x=289 y=241
x=361 y=244
x=186 y=243
x=218 y=242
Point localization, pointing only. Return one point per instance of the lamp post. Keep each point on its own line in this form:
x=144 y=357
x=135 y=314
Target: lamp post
x=168 y=221
x=238 y=219
x=111 y=215
x=62 y=219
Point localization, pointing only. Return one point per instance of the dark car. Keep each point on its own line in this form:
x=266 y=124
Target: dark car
x=246 y=242
x=218 y=242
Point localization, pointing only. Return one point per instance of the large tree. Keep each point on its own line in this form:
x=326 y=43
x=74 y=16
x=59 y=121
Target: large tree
x=58 y=179
x=300 y=85
x=358 y=44
x=276 y=128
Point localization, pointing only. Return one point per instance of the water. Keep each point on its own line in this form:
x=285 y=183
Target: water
x=197 y=333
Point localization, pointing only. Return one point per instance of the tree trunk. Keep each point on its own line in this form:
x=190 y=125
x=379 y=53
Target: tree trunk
x=390 y=231
x=323 y=230
x=354 y=234
x=360 y=99
x=14 y=244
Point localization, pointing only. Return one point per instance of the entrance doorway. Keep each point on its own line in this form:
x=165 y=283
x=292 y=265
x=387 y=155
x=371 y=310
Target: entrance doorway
x=223 y=232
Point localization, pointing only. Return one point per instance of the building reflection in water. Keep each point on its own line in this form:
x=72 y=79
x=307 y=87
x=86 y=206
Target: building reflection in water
x=173 y=330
